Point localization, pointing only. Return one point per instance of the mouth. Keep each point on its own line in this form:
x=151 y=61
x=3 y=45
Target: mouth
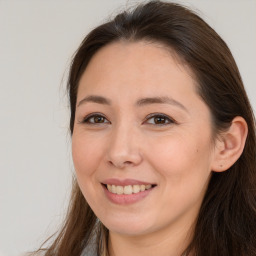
x=128 y=189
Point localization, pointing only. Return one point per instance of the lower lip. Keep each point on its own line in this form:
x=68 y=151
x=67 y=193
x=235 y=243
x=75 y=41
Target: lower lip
x=126 y=199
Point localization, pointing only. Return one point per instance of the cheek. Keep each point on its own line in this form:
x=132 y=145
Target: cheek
x=86 y=158
x=86 y=154
x=184 y=168
x=183 y=159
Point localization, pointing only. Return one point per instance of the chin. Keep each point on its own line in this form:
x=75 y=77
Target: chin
x=129 y=231
x=128 y=227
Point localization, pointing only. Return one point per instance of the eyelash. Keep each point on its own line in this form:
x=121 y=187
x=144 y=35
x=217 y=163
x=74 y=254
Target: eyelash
x=86 y=120
x=167 y=120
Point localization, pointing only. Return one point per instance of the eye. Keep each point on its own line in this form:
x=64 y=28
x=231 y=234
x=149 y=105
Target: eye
x=159 y=119
x=95 y=119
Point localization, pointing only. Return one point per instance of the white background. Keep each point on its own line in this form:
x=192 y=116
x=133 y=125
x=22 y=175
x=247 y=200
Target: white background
x=37 y=40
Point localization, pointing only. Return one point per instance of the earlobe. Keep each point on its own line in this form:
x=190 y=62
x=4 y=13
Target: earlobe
x=230 y=145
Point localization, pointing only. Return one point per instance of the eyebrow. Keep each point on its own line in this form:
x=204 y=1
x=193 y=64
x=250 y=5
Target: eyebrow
x=160 y=100
x=95 y=99
x=139 y=103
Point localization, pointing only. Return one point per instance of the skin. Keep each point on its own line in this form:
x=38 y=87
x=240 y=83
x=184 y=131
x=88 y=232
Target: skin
x=178 y=155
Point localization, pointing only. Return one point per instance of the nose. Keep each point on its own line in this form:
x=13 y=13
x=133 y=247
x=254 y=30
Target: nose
x=124 y=148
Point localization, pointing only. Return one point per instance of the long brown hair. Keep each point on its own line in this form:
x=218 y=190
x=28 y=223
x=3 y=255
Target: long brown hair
x=226 y=224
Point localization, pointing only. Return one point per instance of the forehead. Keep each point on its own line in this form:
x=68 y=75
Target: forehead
x=138 y=65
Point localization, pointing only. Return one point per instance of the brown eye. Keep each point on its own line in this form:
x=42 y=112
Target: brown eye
x=159 y=119
x=95 y=119
x=98 y=119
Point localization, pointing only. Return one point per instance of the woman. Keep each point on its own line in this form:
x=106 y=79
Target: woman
x=163 y=141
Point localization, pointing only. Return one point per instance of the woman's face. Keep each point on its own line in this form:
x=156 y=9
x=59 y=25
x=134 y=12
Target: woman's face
x=142 y=141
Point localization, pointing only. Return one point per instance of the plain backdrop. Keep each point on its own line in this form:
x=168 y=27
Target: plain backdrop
x=37 y=40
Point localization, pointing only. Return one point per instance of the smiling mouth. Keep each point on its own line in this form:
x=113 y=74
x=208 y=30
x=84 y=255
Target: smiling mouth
x=129 y=189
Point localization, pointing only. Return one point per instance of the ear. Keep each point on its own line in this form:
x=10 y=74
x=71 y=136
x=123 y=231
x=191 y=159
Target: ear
x=230 y=145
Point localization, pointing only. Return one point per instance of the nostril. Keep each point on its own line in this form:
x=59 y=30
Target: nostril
x=120 y=164
x=127 y=162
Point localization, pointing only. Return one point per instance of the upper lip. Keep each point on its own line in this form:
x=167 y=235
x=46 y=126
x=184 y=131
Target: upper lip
x=125 y=182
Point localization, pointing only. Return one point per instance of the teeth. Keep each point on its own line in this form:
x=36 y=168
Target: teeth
x=113 y=189
x=127 y=190
x=142 y=187
x=136 y=188
x=119 y=190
